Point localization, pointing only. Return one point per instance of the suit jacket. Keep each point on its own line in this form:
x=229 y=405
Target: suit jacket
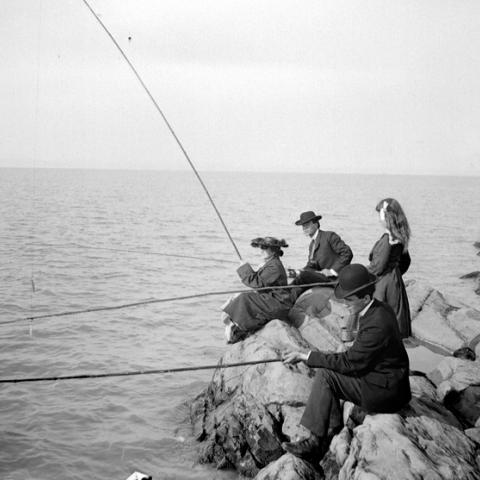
x=377 y=357
x=329 y=251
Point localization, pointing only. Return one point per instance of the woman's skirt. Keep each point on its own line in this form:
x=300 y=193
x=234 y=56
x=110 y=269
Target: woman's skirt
x=391 y=290
x=252 y=310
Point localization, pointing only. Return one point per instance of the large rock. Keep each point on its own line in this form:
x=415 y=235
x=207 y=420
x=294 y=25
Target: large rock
x=422 y=441
x=444 y=324
x=289 y=467
x=458 y=385
x=455 y=374
x=245 y=414
x=314 y=303
x=322 y=320
x=465 y=404
x=247 y=411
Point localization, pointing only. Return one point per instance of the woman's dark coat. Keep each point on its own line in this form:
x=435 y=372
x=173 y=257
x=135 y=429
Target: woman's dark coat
x=251 y=310
x=388 y=262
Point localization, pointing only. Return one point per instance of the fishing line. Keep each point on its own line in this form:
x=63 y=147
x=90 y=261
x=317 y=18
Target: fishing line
x=166 y=122
x=136 y=372
x=92 y=247
x=159 y=300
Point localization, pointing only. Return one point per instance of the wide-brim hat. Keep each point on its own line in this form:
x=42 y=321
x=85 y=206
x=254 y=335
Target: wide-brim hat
x=306 y=217
x=352 y=279
x=268 y=242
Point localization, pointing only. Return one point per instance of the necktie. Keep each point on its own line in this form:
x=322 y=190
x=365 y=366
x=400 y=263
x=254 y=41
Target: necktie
x=310 y=249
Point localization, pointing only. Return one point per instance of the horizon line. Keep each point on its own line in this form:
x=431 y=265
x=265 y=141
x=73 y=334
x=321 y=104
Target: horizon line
x=286 y=172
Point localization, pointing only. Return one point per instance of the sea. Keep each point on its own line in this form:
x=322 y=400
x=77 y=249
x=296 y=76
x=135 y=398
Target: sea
x=84 y=239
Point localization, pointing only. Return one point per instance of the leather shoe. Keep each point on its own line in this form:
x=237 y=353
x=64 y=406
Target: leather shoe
x=309 y=448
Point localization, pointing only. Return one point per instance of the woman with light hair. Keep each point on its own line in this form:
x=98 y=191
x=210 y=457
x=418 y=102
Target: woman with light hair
x=389 y=260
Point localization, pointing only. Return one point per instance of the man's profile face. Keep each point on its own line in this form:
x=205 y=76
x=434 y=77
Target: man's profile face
x=355 y=304
x=309 y=228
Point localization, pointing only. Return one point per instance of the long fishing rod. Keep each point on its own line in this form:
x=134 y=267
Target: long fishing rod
x=136 y=372
x=142 y=83
x=157 y=300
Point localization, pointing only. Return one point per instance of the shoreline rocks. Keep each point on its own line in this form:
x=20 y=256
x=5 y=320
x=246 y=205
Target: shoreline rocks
x=474 y=275
x=441 y=323
x=246 y=412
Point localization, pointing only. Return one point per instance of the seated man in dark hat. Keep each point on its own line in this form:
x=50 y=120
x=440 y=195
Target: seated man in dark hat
x=327 y=255
x=372 y=373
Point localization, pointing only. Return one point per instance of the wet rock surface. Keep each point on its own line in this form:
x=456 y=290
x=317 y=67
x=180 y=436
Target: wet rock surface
x=245 y=414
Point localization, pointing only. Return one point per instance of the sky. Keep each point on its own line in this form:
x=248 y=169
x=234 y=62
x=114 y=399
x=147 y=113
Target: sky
x=336 y=86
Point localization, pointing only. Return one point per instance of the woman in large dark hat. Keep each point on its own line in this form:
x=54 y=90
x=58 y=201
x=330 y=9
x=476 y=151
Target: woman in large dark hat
x=250 y=311
x=389 y=260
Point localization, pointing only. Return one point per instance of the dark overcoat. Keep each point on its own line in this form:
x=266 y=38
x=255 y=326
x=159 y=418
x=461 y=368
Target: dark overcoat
x=251 y=310
x=377 y=358
x=329 y=251
x=388 y=262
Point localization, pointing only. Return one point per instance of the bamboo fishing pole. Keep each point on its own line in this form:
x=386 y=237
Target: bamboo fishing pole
x=167 y=123
x=159 y=300
x=136 y=372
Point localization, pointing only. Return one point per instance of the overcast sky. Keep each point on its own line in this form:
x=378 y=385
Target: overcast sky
x=371 y=86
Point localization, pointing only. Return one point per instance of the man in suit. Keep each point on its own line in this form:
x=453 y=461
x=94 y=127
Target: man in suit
x=372 y=373
x=327 y=254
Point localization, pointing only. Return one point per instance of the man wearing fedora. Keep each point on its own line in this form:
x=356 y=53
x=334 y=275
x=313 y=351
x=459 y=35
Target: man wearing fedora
x=327 y=253
x=372 y=373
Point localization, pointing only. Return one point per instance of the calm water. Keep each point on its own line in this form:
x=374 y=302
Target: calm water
x=107 y=428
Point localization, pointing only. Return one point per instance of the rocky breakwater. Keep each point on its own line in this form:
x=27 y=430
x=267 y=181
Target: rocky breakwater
x=246 y=412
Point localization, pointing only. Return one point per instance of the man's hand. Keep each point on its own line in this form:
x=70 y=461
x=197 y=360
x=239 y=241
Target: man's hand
x=328 y=272
x=295 y=357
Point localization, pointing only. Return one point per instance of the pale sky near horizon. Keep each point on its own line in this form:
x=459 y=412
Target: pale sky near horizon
x=376 y=86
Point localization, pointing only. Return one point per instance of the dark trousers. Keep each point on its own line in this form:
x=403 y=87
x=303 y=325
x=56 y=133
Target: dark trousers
x=322 y=413
x=306 y=276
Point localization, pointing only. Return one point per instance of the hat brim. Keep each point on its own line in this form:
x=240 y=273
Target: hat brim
x=341 y=294
x=312 y=219
x=260 y=243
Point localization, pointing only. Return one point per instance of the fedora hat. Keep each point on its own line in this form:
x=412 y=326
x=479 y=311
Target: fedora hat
x=352 y=279
x=267 y=242
x=306 y=217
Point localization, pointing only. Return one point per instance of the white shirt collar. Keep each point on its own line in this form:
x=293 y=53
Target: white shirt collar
x=315 y=235
x=364 y=311
x=391 y=240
